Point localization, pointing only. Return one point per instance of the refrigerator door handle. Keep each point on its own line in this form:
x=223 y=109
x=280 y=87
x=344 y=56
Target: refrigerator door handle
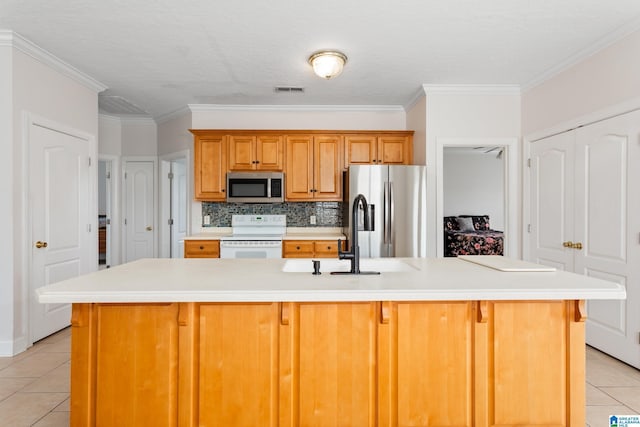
x=385 y=213
x=392 y=249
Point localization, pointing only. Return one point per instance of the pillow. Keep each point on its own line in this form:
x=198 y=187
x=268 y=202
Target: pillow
x=465 y=224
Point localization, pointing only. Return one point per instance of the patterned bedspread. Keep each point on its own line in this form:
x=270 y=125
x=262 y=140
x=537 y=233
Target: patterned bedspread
x=481 y=242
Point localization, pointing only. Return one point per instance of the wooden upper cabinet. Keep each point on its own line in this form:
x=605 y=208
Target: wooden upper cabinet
x=372 y=149
x=256 y=152
x=210 y=168
x=313 y=167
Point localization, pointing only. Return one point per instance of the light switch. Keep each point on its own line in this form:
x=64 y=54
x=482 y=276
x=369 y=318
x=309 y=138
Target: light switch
x=207 y=219
x=312 y=220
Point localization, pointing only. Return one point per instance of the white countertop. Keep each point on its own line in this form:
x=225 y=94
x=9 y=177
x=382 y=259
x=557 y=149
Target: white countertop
x=253 y=280
x=293 y=233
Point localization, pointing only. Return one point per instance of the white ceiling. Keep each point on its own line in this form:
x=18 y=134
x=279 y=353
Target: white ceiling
x=162 y=55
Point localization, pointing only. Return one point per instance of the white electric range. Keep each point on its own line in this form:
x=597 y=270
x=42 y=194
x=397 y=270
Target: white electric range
x=254 y=236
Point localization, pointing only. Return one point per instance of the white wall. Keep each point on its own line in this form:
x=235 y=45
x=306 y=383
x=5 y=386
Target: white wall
x=417 y=121
x=174 y=135
x=470 y=113
x=607 y=78
x=40 y=90
x=139 y=137
x=474 y=184
x=109 y=135
x=6 y=207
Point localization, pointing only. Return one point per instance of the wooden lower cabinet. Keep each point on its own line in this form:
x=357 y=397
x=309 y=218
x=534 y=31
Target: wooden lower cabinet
x=449 y=363
x=311 y=248
x=202 y=248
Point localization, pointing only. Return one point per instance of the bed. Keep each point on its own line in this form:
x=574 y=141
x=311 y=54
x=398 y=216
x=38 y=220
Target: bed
x=471 y=235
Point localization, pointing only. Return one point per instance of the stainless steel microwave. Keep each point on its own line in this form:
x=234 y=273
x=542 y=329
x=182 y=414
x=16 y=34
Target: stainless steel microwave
x=255 y=187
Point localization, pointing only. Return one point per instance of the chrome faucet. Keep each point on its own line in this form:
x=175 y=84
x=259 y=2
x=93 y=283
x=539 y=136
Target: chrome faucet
x=353 y=254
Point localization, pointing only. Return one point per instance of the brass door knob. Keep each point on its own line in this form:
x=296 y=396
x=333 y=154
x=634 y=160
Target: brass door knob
x=149 y=228
x=568 y=244
x=577 y=246
x=40 y=244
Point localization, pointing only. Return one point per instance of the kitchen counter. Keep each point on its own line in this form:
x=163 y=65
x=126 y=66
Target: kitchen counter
x=241 y=280
x=230 y=342
x=293 y=233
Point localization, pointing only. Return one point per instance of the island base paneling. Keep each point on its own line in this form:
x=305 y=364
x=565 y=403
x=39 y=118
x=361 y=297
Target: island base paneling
x=413 y=363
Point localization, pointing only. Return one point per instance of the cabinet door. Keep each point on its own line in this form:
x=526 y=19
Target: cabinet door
x=327 y=167
x=202 y=249
x=125 y=365
x=394 y=150
x=425 y=364
x=238 y=358
x=242 y=153
x=326 y=248
x=530 y=361
x=299 y=168
x=327 y=364
x=210 y=164
x=269 y=153
x=360 y=149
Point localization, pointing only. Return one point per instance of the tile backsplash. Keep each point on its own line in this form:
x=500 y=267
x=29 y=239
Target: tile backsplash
x=328 y=214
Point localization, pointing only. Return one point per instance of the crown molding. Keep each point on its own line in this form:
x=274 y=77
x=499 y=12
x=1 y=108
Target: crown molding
x=414 y=99
x=180 y=112
x=203 y=108
x=11 y=38
x=127 y=119
x=464 y=89
x=583 y=54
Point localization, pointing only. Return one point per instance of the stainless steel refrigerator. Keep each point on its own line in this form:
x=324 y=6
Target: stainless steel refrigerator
x=398 y=197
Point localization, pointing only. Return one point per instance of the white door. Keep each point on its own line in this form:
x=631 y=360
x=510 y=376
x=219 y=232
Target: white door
x=178 y=207
x=607 y=226
x=63 y=243
x=140 y=213
x=552 y=172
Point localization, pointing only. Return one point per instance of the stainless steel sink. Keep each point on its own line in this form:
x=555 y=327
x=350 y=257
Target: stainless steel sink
x=327 y=265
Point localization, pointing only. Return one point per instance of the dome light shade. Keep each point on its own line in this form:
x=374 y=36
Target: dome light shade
x=327 y=64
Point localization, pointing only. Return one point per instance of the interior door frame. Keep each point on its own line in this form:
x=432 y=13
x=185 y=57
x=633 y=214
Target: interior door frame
x=164 y=230
x=114 y=235
x=510 y=191
x=30 y=119
x=123 y=198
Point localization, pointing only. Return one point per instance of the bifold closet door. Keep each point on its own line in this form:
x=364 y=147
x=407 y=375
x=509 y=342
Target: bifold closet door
x=607 y=225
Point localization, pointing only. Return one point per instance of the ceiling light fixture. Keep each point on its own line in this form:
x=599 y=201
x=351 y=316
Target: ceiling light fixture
x=327 y=63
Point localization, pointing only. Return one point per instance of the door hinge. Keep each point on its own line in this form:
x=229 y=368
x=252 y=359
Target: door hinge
x=108 y=222
x=125 y=175
x=170 y=221
x=125 y=221
x=108 y=175
x=528 y=228
x=88 y=228
x=170 y=175
x=89 y=161
x=529 y=162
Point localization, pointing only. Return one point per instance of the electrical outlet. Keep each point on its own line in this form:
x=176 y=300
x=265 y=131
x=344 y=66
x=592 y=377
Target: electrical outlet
x=207 y=220
x=312 y=220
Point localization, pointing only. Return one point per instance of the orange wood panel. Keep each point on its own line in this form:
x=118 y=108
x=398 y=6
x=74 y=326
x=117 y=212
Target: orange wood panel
x=299 y=167
x=202 y=249
x=83 y=367
x=394 y=150
x=426 y=372
x=242 y=153
x=210 y=168
x=328 y=365
x=326 y=248
x=189 y=364
x=238 y=377
x=534 y=364
x=360 y=149
x=327 y=167
x=270 y=153
x=136 y=375
x=298 y=249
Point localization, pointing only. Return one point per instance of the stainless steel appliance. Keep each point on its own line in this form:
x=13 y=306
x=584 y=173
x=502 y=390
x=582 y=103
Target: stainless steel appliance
x=255 y=187
x=254 y=236
x=397 y=203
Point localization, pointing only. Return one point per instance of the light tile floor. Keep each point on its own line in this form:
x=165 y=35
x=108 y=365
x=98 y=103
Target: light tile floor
x=34 y=386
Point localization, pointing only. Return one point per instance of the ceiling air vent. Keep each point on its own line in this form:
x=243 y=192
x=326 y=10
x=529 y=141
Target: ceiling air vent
x=288 y=89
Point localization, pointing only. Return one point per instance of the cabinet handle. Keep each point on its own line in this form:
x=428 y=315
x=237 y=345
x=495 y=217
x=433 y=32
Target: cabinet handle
x=328 y=248
x=222 y=190
x=201 y=247
x=297 y=248
x=385 y=312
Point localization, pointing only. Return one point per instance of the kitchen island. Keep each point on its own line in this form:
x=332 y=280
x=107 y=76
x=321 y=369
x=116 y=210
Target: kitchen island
x=229 y=342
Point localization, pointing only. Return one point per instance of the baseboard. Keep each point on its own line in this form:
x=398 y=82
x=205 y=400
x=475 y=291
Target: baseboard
x=11 y=348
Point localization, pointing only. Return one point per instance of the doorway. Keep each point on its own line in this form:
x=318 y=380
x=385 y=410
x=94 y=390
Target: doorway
x=473 y=200
x=105 y=191
x=507 y=217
